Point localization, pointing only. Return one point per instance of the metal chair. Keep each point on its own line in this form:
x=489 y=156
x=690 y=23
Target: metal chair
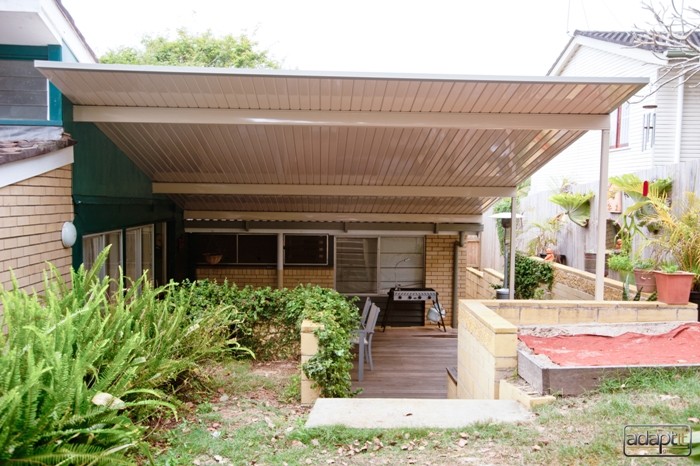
x=365 y=313
x=363 y=338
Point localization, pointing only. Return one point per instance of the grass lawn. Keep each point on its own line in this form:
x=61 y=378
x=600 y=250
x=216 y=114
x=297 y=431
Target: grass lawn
x=254 y=418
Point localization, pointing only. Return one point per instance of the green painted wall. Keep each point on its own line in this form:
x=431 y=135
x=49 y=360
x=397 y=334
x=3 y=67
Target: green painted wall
x=111 y=193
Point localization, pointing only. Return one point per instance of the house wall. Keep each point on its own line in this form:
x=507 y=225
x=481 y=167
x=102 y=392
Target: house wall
x=32 y=213
x=439 y=260
x=267 y=277
x=487 y=335
x=112 y=193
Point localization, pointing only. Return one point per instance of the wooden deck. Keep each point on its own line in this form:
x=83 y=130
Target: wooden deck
x=409 y=362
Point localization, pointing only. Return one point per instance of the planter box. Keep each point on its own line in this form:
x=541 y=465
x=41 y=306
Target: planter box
x=674 y=288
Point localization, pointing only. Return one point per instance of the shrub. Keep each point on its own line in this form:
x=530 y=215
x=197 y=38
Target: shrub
x=79 y=369
x=530 y=274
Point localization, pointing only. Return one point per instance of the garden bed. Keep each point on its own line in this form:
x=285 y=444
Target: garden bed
x=572 y=359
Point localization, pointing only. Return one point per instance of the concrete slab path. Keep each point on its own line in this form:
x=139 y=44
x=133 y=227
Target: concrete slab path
x=412 y=413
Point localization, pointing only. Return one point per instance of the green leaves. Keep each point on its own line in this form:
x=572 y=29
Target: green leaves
x=194 y=50
x=530 y=275
x=576 y=205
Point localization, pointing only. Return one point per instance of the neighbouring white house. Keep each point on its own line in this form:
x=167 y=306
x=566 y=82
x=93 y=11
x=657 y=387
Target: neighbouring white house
x=654 y=134
x=658 y=126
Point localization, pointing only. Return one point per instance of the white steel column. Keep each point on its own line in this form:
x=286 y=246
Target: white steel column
x=280 y=260
x=601 y=217
x=511 y=248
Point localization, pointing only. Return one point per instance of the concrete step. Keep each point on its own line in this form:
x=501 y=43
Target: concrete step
x=392 y=413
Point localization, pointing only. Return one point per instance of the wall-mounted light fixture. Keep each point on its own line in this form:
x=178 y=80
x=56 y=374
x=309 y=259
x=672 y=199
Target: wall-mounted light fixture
x=68 y=234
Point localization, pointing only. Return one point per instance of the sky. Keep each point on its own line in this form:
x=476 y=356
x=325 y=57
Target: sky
x=468 y=37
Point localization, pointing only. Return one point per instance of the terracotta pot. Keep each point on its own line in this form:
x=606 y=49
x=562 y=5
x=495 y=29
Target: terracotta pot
x=674 y=288
x=645 y=280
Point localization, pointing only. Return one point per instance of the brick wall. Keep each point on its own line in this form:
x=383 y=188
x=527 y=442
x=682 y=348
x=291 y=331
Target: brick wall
x=569 y=284
x=439 y=257
x=255 y=277
x=262 y=277
x=321 y=276
x=32 y=213
x=480 y=283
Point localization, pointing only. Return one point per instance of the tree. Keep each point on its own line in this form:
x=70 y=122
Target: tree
x=676 y=35
x=194 y=50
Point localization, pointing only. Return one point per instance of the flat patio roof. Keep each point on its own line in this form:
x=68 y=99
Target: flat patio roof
x=270 y=145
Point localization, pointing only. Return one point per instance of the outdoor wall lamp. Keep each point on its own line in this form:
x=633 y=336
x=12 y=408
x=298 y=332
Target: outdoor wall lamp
x=68 y=234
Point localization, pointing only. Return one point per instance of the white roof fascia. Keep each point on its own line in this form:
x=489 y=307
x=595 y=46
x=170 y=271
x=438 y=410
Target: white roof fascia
x=184 y=70
x=635 y=53
x=21 y=170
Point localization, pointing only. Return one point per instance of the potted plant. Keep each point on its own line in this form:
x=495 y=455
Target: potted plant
x=622 y=263
x=677 y=243
x=673 y=285
x=644 y=275
x=546 y=235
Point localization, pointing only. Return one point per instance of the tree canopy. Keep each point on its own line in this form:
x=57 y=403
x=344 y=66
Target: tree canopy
x=676 y=36
x=194 y=50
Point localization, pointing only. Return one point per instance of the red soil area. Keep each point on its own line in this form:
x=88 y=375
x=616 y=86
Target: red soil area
x=679 y=346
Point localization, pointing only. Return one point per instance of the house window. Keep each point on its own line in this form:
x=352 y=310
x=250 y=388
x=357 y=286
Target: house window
x=93 y=245
x=649 y=130
x=234 y=249
x=619 y=127
x=374 y=265
x=139 y=251
x=306 y=250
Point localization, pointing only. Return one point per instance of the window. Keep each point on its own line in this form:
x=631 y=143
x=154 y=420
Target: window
x=373 y=265
x=139 y=252
x=93 y=246
x=306 y=250
x=257 y=249
x=649 y=130
x=142 y=248
x=234 y=249
x=619 y=127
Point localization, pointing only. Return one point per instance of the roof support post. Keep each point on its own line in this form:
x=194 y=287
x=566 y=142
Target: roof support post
x=601 y=217
x=280 y=261
x=511 y=247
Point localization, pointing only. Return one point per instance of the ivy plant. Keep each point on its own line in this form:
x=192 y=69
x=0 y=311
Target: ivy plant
x=530 y=275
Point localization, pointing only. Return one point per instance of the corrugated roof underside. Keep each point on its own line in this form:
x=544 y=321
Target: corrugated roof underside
x=336 y=155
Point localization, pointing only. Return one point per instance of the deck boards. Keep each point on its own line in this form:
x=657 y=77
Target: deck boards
x=409 y=363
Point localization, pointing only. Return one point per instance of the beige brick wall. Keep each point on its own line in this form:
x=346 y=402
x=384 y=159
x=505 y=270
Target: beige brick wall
x=486 y=354
x=32 y=213
x=569 y=284
x=321 y=276
x=309 y=347
x=480 y=283
x=553 y=312
x=255 y=277
x=439 y=257
x=262 y=277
